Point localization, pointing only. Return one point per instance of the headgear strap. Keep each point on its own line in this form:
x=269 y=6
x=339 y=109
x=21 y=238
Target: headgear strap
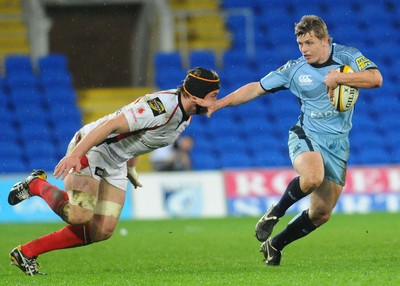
x=199 y=86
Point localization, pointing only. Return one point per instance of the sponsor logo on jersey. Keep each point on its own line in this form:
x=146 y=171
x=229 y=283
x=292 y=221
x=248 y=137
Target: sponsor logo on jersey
x=362 y=62
x=323 y=114
x=305 y=79
x=156 y=106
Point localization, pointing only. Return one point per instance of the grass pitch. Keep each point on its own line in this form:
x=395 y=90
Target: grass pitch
x=349 y=250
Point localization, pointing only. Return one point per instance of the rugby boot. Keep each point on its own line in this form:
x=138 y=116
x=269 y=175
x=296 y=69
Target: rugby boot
x=265 y=225
x=27 y=265
x=271 y=254
x=20 y=191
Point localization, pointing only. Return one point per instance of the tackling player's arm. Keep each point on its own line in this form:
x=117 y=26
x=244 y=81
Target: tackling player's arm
x=132 y=175
x=239 y=96
x=117 y=124
x=370 y=78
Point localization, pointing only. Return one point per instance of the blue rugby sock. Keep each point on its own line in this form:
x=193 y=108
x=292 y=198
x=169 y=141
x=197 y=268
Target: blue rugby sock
x=300 y=226
x=292 y=194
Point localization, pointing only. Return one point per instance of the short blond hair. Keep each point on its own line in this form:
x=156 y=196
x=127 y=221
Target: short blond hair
x=314 y=23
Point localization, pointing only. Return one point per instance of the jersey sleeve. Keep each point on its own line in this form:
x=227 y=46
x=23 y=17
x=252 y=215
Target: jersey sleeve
x=277 y=80
x=354 y=58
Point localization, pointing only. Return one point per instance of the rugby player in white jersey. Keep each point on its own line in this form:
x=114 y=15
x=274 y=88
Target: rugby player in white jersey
x=95 y=171
x=318 y=142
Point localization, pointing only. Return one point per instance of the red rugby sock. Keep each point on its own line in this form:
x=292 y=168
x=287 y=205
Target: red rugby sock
x=67 y=237
x=53 y=196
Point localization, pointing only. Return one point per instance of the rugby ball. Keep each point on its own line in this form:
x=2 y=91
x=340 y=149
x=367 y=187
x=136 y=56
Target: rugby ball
x=343 y=97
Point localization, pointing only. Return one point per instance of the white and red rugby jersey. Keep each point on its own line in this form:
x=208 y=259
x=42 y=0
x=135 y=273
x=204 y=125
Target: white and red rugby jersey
x=155 y=120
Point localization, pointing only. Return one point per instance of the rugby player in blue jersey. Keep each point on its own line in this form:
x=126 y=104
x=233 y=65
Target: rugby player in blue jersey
x=318 y=142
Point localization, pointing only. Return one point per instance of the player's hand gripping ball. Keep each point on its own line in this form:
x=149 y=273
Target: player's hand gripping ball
x=343 y=97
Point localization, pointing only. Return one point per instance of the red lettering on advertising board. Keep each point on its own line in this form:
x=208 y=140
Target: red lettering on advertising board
x=260 y=183
x=257 y=183
x=372 y=180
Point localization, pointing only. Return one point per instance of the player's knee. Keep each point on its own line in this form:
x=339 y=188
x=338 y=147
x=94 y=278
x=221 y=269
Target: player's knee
x=320 y=217
x=103 y=234
x=311 y=183
x=78 y=217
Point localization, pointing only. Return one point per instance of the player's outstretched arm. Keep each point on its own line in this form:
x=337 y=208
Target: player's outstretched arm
x=117 y=124
x=239 y=96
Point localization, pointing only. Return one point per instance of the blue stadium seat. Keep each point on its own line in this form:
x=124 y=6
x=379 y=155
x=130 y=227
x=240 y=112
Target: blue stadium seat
x=367 y=140
x=36 y=131
x=205 y=161
x=238 y=42
x=18 y=64
x=167 y=60
x=66 y=111
x=20 y=80
x=10 y=149
x=234 y=4
x=53 y=62
x=6 y=114
x=234 y=160
x=67 y=129
x=2 y=83
x=253 y=130
x=391 y=138
x=224 y=127
x=55 y=79
x=59 y=96
x=30 y=114
x=375 y=155
x=234 y=59
x=13 y=164
x=26 y=96
x=9 y=132
x=169 y=78
x=203 y=144
x=266 y=19
x=203 y=58
x=231 y=144
x=363 y=123
x=44 y=163
x=271 y=157
x=235 y=23
x=373 y=10
x=234 y=78
x=42 y=154
x=40 y=147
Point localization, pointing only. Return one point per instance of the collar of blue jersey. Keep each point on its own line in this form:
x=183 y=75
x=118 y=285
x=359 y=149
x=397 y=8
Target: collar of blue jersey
x=329 y=62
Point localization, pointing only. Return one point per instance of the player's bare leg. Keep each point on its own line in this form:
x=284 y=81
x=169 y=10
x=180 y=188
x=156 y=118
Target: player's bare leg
x=70 y=236
x=322 y=202
x=309 y=165
x=107 y=211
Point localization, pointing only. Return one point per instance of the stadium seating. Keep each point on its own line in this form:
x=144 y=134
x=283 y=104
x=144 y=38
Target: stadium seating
x=203 y=58
x=18 y=64
x=40 y=96
x=35 y=107
x=52 y=62
x=263 y=123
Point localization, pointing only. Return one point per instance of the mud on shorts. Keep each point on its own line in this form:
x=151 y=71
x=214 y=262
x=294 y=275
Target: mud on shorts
x=334 y=150
x=97 y=164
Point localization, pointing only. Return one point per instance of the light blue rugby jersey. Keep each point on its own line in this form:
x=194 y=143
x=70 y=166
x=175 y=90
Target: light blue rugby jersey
x=307 y=83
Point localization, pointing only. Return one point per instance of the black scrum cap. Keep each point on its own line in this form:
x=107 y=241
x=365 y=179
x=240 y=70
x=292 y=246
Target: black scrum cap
x=199 y=82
